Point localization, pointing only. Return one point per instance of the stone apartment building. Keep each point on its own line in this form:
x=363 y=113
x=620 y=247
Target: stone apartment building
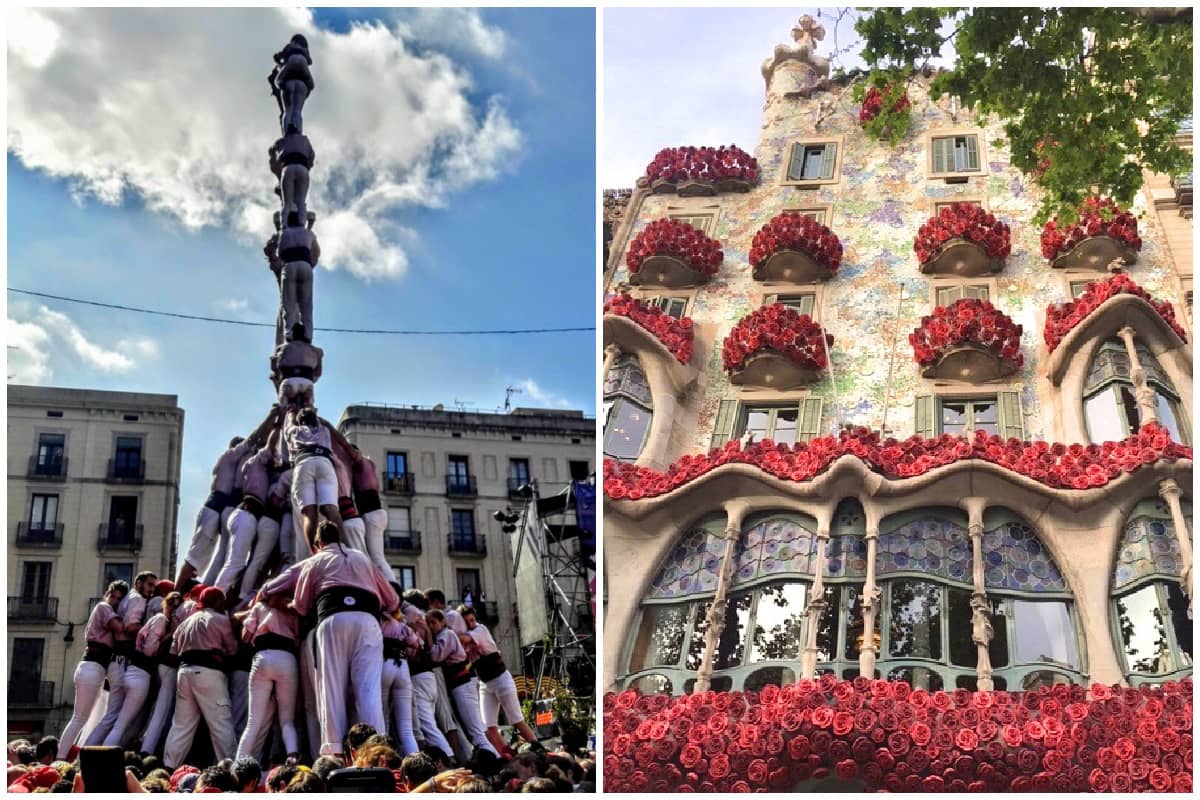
x=93 y=495
x=445 y=474
x=747 y=565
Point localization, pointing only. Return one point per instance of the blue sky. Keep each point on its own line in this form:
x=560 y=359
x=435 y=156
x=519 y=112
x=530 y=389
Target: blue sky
x=454 y=177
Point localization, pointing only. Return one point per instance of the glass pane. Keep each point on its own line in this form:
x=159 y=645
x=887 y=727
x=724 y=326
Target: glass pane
x=1177 y=606
x=719 y=683
x=1167 y=417
x=1045 y=633
x=626 y=430
x=954 y=417
x=963 y=651
x=854 y=622
x=1103 y=417
x=1129 y=407
x=916 y=620
x=785 y=425
x=769 y=676
x=1078 y=288
x=732 y=644
x=918 y=678
x=960 y=154
x=652 y=684
x=660 y=638
x=757 y=422
x=985 y=412
x=812 y=162
x=1043 y=677
x=675 y=306
x=827 y=627
x=779 y=623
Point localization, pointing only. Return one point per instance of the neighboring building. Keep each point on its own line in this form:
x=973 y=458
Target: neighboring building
x=93 y=495
x=970 y=574
x=444 y=474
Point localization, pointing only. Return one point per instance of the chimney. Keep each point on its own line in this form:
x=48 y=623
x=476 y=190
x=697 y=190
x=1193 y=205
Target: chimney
x=797 y=66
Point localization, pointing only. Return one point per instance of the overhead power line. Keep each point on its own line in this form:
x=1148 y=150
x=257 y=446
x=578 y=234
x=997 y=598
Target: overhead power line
x=198 y=318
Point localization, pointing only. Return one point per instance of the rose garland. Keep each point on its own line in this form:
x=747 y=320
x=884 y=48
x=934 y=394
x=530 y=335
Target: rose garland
x=1056 y=465
x=963 y=221
x=676 y=334
x=778 y=328
x=1099 y=216
x=1061 y=318
x=892 y=737
x=702 y=163
x=677 y=239
x=794 y=231
x=967 y=321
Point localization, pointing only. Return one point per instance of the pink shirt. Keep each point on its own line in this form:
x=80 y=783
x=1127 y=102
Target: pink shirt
x=255 y=480
x=447 y=647
x=283 y=583
x=483 y=640
x=298 y=437
x=365 y=478
x=411 y=613
x=205 y=630
x=337 y=565
x=395 y=629
x=151 y=635
x=97 y=625
x=185 y=610
x=264 y=619
x=454 y=621
x=225 y=471
x=132 y=611
x=280 y=493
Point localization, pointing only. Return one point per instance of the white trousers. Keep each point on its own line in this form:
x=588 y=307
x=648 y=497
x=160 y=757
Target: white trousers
x=466 y=703
x=376 y=524
x=89 y=680
x=349 y=650
x=242 y=527
x=200 y=692
x=274 y=686
x=398 y=694
x=295 y=295
x=204 y=539
x=354 y=534
x=239 y=699
x=498 y=693
x=314 y=483
x=425 y=692
x=137 y=687
x=293 y=188
x=218 y=559
x=116 y=699
x=266 y=539
x=449 y=722
x=308 y=685
x=164 y=704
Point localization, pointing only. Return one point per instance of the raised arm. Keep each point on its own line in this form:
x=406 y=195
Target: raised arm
x=338 y=439
x=268 y=422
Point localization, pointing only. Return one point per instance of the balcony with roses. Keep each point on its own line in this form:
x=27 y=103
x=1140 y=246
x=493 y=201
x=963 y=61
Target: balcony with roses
x=963 y=240
x=1062 y=318
x=969 y=340
x=774 y=347
x=795 y=248
x=672 y=254
x=700 y=171
x=663 y=343
x=1103 y=234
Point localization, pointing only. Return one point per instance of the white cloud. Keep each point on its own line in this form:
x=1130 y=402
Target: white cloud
x=140 y=103
x=451 y=28
x=50 y=338
x=234 y=304
x=28 y=358
x=541 y=397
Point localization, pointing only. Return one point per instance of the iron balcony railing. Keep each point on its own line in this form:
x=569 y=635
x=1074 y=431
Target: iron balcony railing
x=399 y=483
x=404 y=541
x=50 y=470
x=40 y=534
x=40 y=609
x=515 y=485
x=120 y=537
x=126 y=470
x=461 y=486
x=467 y=544
x=31 y=694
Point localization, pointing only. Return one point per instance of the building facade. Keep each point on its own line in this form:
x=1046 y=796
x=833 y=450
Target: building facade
x=93 y=496
x=443 y=477
x=972 y=562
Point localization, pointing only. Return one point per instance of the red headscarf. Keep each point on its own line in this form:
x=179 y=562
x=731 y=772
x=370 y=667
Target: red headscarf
x=212 y=597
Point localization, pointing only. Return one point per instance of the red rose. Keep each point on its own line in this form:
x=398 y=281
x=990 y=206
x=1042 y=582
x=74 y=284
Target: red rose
x=920 y=733
x=1160 y=779
x=966 y=739
x=843 y=723
x=822 y=717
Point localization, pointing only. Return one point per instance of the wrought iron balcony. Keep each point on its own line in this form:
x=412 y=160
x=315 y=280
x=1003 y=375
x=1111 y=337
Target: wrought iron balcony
x=91 y=605
x=30 y=694
x=461 y=486
x=50 y=470
x=399 y=483
x=42 y=609
x=404 y=541
x=40 y=534
x=120 y=537
x=126 y=471
x=467 y=544
x=514 y=488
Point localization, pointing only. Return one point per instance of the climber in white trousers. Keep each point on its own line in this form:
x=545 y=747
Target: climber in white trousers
x=274 y=632
x=497 y=690
x=243 y=520
x=140 y=672
x=364 y=485
x=161 y=627
x=91 y=671
x=447 y=652
x=398 y=642
x=267 y=536
x=132 y=612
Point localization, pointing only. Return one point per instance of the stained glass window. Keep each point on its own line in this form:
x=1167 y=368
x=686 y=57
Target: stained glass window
x=775 y=547
x=691 y=568
x=931 y=546
x=1015 y=559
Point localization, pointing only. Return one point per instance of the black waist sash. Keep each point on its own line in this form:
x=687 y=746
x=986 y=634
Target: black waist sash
x=236 y=496
x=202 y=658
x=146 y=663
x=275 y=641
x=165 y=656
x=252 y=504
x=297 y=372
x=122 y=648
x=98 y=653
x=367 y=501
x=420 y=662
x=456 y=673
x=217 y=501
x=346 y=598
x=296 y=254
x=294 y=157
x=273 y=512
x=393 y=649
x=312 y=451
x=490 y=667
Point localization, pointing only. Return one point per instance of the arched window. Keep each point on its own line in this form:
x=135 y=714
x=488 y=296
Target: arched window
x=1109 y=404
x=1149 y=610
x=924 y=569
x=627 y=409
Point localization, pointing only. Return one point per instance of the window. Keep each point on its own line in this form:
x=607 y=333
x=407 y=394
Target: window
x=399 y=520
x=939 y=205
x=25 y=669
x=1078 y=288
x=701 y=222
x=518 y=473
x=673 y=305
x=117 y=571
x=407 y=576
x=819 y=214
x=51 y=447
x=122 y=520
x=954 y=155
x=127 y=461
x=783 y=423
x=43 y=513
x=397 y=465
x=945 y=295
x=813 y=163
x=1110 y=406
x=35 y=582
x=627 y=409
x=458 y=475
x=468 y=585
x=998 y=414
x=462 y=526
x=580 y=470
x=804 y=303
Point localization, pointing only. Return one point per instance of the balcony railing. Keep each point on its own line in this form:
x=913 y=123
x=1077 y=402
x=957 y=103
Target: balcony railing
x=21 y=609
x=126 y=471
x=125 y=537
x=52 y=470
x=467 y=544
x=461 y=486
x=40 y=534
x=398 y=483
x=30 y=694
x=91 y=605
x=514 y=488
x=404 y=541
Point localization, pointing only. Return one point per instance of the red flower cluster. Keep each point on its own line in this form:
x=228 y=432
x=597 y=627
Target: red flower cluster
x=675 y=238
x=780 y=329
x=963 y=221
x=1062 y=317
x=892 y=737
x=702 y=163
x=872 y=104
x=1097 y=217
x=676 y=334
x=967 y=321
x=1054 y=464
x=794 y=231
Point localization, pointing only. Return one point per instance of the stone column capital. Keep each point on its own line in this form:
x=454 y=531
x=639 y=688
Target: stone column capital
x=1169 y=490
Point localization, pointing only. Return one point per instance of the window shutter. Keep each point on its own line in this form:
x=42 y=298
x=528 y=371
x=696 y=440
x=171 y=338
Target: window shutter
x=828 y=160
x=770 y=299
x=942 y=155
x=948 y=294
x=1012 y=421
x=805 y=305
x=726 y=419
x=978 y=292
x=926 y=416
x=810 y=419
x=972 y=153
x=796 y=164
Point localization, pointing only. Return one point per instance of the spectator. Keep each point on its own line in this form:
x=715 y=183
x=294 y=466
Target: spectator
x=247 y=773
x=216 y=777
x=539 y=785
x=416 y=769
x=355 y=738
x=47 y=750
x=306 y=782
x=327 y=764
